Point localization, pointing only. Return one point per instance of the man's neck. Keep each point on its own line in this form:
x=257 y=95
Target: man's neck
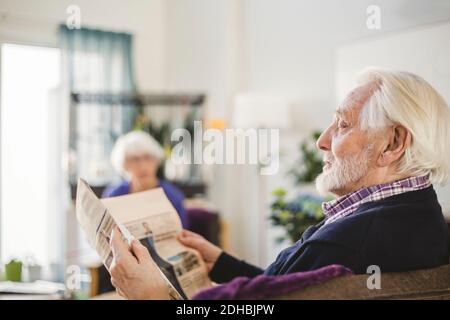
x=371 y=180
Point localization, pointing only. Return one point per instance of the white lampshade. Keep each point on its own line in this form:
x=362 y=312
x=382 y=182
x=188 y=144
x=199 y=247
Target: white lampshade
x=252 y=110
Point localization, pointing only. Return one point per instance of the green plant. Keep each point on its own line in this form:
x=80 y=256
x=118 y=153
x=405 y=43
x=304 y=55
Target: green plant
x=309 y=166
x=295 y=216
x=161 y=132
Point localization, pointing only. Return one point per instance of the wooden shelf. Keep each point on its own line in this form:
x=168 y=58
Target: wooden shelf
x=138 y=100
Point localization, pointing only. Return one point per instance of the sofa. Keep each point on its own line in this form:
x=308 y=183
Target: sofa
x=421 y=284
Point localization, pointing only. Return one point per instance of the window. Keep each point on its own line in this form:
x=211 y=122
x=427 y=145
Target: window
x=28 y=76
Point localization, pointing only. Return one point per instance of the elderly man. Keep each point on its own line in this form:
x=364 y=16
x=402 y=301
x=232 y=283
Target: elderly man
x=388 y=142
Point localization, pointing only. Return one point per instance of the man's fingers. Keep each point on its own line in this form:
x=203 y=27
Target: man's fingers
x=114 y=282
x=187 y=233
x=119 y=248
x=140 y=252
x=190 y=239
x=116 y=242
x=120 y=293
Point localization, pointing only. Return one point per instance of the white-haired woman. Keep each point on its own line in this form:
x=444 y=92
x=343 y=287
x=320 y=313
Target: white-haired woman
x=137 y=156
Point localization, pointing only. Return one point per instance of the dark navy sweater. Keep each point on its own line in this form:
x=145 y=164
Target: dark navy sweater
x=399 y=233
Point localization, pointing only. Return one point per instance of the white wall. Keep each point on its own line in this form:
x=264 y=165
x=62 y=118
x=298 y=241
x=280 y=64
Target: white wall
x=424 y=50
x=211 y=47
x=203 y=48
x=289 y=45
x=36 y=22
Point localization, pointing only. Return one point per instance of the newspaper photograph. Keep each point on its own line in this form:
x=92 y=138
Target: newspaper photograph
x=150 y=217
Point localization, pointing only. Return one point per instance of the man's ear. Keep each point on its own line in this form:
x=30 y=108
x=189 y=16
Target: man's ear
x=399 y=140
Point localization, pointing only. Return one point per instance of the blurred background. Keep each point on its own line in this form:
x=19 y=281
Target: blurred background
x=76 y=75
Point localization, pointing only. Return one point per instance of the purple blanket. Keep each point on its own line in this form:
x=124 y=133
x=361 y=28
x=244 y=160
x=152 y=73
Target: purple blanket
x=266 y=287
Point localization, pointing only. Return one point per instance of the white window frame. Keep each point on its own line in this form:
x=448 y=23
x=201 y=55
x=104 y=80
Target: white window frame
x=3 y=42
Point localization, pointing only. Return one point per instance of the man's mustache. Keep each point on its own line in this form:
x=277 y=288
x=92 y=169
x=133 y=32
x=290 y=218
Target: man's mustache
x=328 y=158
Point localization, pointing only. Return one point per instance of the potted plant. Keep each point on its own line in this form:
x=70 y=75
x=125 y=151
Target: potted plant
x=297 y=214
x=309 y=165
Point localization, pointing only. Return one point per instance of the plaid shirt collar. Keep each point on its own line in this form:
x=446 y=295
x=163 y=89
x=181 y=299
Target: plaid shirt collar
x=347 y=204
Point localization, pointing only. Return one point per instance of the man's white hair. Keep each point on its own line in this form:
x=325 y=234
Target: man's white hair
x=406 y=99
x=134 y=143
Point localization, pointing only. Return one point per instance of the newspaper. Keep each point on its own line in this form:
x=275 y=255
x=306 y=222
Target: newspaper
x=150 y=217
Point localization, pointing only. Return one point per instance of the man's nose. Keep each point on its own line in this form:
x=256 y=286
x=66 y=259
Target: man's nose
x=324 y=141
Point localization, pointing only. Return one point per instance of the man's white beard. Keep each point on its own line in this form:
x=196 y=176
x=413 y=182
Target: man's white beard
x=343 y=172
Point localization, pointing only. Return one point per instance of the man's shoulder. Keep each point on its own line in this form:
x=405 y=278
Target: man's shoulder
x=402 y=211
x=402 y=232
x=383 y=217
x=348 y=231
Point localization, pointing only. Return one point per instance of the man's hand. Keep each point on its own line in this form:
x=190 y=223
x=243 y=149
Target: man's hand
x=133 y=272
x=209 y=252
